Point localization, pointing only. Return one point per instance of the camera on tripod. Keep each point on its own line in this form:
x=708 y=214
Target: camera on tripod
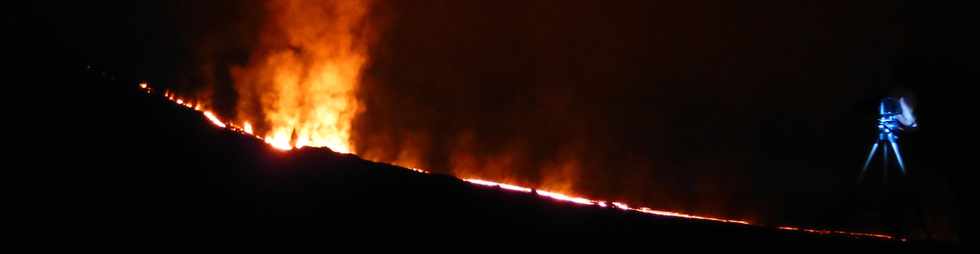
x=895 y=116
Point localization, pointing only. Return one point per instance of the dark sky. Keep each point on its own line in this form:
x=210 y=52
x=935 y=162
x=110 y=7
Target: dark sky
x=700 y=104
x=715 y=107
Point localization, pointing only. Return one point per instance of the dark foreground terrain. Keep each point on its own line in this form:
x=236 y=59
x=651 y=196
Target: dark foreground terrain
x=114 y=158
x=157 y=165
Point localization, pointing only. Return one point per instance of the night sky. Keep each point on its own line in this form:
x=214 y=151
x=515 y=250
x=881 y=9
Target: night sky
x=742 y=110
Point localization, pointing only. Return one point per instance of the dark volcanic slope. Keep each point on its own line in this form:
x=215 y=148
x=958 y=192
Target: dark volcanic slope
x=168 y=166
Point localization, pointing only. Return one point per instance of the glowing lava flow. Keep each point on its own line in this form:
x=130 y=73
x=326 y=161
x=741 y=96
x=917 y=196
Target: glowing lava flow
x=601 y=203
x=646 y=210
x=246 y=129
x=283 y=144
x=214 y=119
x=418 y=170
x=838 y=232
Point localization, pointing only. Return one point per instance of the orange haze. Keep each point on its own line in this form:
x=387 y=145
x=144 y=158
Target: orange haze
x=298 y=89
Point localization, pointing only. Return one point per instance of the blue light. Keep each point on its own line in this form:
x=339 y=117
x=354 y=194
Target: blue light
x=894 y=115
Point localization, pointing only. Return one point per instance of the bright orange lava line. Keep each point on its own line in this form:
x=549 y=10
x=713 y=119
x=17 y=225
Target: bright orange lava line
x=839 y=232
x=214 y=119
x=585 y=201
x=418 y=170
x=285 y=146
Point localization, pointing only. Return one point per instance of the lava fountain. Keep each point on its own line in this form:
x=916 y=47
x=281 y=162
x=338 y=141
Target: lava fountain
x=299 y=87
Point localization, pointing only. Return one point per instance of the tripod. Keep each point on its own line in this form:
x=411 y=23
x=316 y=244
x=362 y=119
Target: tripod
x=888 y=126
